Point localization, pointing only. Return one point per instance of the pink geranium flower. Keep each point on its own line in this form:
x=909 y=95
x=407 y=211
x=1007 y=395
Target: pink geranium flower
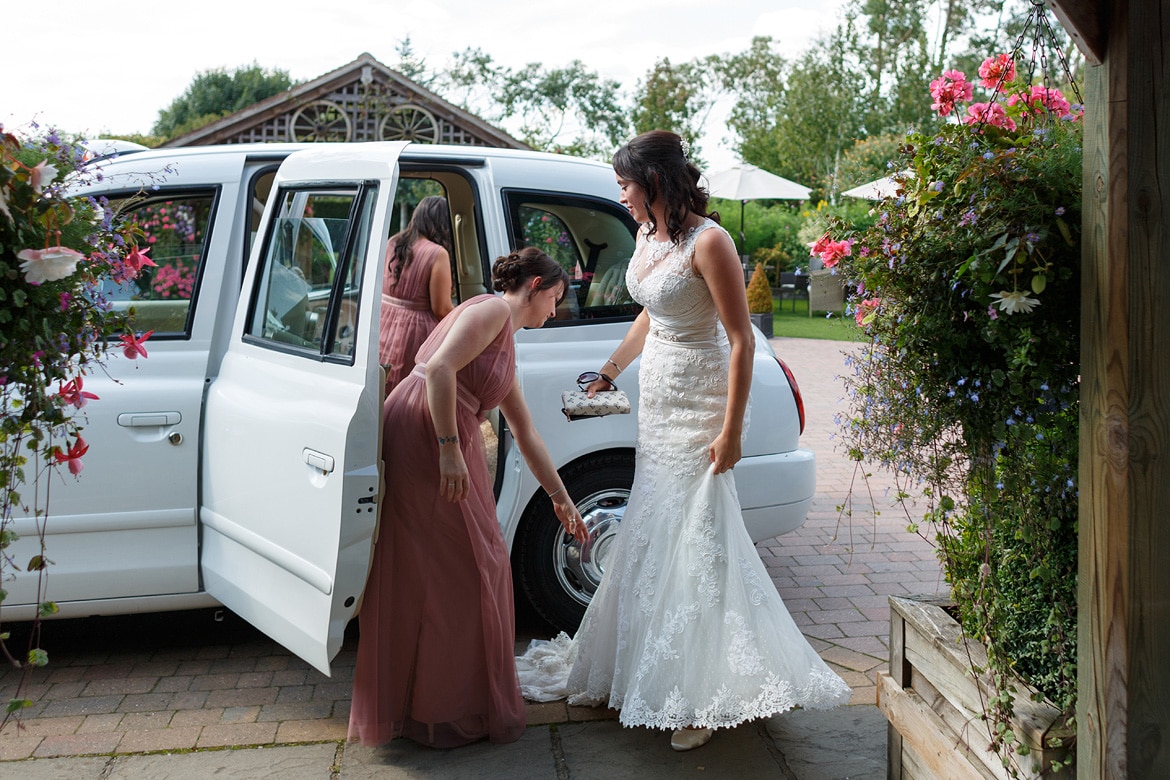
x=73 y=456
x=132 y=345
x=997 y=71
x=1040 y=99
x=949 y=88
x=989 y=114
x=832 y=253
x=48 y=265
x=866 y=310
x=818 y=246
x=72 y=393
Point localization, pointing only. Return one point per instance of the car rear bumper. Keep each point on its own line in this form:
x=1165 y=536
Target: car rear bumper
x=776 y=491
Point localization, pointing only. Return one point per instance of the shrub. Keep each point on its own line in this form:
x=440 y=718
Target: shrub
x=759 y=292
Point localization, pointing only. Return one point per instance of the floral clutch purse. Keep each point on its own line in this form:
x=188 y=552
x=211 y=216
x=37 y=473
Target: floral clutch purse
x=577 y=405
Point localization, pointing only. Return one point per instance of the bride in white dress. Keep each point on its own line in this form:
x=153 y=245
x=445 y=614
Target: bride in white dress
x=686 y=631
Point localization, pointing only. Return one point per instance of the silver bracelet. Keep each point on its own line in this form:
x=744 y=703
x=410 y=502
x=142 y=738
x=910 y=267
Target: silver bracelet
x=558 y=490
x=612 y=362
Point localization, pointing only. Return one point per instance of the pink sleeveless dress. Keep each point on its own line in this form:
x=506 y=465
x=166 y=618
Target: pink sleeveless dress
x=435 y=659
x=407 y=318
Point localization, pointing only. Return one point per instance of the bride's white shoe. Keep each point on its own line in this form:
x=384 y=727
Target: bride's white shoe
x=689 y=739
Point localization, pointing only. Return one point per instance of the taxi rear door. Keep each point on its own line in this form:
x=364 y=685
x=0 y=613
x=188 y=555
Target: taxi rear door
x=291 y=455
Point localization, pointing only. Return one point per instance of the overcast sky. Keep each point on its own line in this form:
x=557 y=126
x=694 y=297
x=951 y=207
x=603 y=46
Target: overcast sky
x=110 y=66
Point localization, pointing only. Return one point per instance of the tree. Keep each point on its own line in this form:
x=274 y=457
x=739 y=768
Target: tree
x=216 y=93
x=797 y=126
x=571 y=110
x=756 y=78
x=676 y=98
x=868 y=159
x=410 y=64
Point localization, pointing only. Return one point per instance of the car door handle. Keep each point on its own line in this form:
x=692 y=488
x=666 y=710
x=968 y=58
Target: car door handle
x=318 y=460
x=149 y=419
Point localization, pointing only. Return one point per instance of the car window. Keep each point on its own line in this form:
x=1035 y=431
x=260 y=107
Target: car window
x=309 y=281
x=174 y=230
x=592 y=240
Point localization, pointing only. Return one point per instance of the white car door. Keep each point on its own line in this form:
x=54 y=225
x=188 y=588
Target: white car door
x=291 y=461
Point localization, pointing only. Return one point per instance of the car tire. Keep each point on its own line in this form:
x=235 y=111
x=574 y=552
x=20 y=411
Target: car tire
x=556 y=576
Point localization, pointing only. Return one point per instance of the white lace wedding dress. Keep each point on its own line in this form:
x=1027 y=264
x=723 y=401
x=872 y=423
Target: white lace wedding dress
x=686 y=628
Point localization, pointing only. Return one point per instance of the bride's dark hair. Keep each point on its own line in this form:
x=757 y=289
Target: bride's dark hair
x=656 y=162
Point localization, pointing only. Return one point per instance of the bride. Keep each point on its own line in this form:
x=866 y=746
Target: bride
x=686 y=631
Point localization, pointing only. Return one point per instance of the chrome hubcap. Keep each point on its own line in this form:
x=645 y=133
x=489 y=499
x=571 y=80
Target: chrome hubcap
x=579 y=568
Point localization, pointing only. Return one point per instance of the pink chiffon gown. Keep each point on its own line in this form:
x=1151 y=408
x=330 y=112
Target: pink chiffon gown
x=435 y=658
x=407 y=318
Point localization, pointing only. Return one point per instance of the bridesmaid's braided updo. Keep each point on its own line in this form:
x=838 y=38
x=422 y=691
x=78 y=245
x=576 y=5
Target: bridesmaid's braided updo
x=513 y=271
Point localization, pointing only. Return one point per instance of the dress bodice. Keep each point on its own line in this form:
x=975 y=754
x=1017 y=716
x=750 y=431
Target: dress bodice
x=661 y=276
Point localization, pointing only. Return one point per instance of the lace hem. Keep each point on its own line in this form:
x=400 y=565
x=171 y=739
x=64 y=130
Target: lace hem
x=725 y=710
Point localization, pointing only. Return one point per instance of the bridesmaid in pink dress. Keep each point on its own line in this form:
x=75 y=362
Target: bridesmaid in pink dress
x=435 y=658
x=416 y=293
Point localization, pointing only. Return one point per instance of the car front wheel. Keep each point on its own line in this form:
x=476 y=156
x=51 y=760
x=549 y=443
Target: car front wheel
x=558 y=574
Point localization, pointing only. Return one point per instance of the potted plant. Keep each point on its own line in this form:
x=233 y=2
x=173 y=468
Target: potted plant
x=967 y=286
x=759 y=295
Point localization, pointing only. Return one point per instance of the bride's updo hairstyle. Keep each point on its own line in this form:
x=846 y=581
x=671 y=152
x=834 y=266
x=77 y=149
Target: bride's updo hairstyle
x=657 y=162
x=513 y=271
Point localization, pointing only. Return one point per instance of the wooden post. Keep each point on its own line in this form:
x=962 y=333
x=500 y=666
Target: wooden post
x=900 y=674
x=1124 y=579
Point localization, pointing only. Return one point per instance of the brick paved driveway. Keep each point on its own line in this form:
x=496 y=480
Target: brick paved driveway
x=183 y=681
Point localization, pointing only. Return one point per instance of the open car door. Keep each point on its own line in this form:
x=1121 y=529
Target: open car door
x=291 y=458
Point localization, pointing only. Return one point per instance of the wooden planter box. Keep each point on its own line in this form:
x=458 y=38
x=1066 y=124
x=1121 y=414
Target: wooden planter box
x=934 y=704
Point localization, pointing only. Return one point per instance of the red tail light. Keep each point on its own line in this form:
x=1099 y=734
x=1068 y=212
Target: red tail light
x=795 y=391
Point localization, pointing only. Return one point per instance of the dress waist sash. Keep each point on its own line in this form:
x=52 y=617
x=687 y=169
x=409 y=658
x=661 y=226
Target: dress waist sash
x=695 y=339
x=404 y=303
x=464 y=396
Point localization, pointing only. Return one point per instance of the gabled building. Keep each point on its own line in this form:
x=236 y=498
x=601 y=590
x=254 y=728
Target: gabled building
x=361 y=101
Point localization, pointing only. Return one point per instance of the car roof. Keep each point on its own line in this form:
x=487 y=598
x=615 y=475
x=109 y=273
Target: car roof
x=222 y=163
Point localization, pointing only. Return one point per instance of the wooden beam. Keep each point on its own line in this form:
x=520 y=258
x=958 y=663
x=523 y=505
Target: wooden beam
x=1081 y=19
x=1123 y=711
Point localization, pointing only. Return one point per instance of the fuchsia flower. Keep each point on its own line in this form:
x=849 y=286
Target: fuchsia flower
x=48 y=265
x=997 y=71
x=40 y=175
x=73 y=456
x=949 y=88
x=72 y=393
x=990 y=114
x=865 y=311
x=132 y=345
x=136 y=260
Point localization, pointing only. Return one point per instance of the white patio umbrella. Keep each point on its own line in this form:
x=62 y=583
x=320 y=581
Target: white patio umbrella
x=746 y=182
x=885 y=187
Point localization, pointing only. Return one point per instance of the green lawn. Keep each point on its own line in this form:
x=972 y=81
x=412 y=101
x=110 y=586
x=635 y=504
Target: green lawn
x=797 y=324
